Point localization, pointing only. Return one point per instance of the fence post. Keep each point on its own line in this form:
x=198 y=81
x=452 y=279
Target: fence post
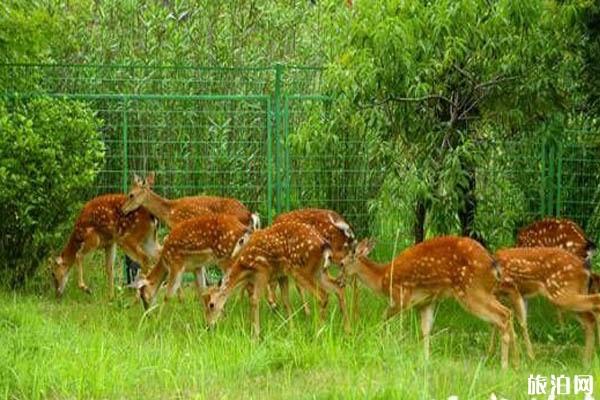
x=124 y=129
x=277 y=137
x=269 y=162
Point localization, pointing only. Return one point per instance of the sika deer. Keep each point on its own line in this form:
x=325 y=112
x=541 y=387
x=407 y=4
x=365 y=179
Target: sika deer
x=333 y=228
x=191 y=245
x=554 y=273
x=444 y=266
x=287 y=248
x=563 y=233
x=101 y=224
x=173 y=212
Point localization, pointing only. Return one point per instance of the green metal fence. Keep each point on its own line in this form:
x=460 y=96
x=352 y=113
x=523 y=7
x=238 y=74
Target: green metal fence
x=259 y=134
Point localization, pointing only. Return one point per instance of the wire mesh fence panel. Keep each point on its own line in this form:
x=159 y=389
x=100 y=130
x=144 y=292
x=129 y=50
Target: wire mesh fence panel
x=579 y=181
x=261 y=134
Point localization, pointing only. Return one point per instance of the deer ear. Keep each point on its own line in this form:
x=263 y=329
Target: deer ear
x=365 y=247
x=150 y=179
x=137 y=180
x=138 y=284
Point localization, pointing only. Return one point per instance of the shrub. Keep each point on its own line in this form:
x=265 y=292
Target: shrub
x=50 y=152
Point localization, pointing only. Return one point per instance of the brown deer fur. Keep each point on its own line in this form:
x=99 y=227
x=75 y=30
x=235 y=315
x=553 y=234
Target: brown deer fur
x=287 y=248
x=102 y=224
x=445 y=266
x=551 y=272
x=173 y=212
x=551 y=232
x=192 y=245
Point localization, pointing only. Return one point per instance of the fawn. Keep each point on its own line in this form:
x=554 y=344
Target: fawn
x=191 y=245
x=551 y=272
x=102 y=224
x=173 y=212
x=287 y=248
x=457 y=267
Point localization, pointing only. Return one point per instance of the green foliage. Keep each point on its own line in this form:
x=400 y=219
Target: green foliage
x=50 y=152
x=442 y=78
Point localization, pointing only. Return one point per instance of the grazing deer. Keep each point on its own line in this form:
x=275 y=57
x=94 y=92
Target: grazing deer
x=287 y=248
x=554 y=273
x=452 y=266
x=563 y=233
x=191 y=245
x=102 y=224
x=333 y=228
x=173 y=212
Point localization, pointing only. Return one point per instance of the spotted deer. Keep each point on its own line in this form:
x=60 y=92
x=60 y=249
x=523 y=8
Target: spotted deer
x=562 y=233
x=173 y=212
x=332 y=227
x=285 y=249
x=555 y=274
x=102 y=225
x=552 y=232
x=192 y=245
x=447 y=266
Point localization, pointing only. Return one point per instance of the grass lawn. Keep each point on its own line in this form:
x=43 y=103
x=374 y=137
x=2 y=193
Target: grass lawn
x=87 y=347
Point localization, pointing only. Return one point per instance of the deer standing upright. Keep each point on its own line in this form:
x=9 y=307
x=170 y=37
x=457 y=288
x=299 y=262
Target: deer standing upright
x=287 y=248
x=445 y=266
x=173 y=212
x=191 y=245
x=102 y=224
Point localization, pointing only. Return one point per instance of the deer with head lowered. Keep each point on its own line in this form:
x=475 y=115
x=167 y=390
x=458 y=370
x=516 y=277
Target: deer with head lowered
x=564 y=234
x=446 y=266
x=102 y=224
x=192 y=245
x=285 y=249
x=173 y=212
x=334 y=229
x=554 y=273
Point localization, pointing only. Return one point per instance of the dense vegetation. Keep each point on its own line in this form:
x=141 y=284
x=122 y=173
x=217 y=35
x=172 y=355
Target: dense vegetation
x=419 y=118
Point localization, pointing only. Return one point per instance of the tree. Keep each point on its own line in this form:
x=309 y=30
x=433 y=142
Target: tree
x=445 y=81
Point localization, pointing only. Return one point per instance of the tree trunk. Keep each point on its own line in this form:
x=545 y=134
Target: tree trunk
x=466 y=214
x=419 y=227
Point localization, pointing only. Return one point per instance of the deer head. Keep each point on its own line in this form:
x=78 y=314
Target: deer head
x=138 y=193
x=351 y=262
x=59 y=269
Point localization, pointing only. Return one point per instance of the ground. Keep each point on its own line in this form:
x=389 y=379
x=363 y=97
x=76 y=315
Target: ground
x=87 y=347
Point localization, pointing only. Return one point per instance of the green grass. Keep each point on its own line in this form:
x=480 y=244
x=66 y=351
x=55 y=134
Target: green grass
x=87 y=347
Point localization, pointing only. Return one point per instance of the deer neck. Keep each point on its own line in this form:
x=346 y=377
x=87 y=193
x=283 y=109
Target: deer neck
x=70 y=250
x=373 y=274
x=158 y=206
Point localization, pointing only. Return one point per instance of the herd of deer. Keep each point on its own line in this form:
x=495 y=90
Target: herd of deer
x=552 y=260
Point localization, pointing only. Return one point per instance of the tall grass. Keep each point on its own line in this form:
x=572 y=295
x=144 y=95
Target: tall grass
x=86 y=347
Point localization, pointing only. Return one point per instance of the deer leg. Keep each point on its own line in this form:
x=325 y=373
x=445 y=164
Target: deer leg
x=355 y=297
x=137 y=254
x=109 y=259
x=90 y=242
x=399 y=299
x=305 y=305
x=588 y=321
x=520 y=309
x=311 y=286
x=427 y=318
x=578 y=302
x=271 y=296
x=331 y=286
x=487 y=307
x=175 y=276
x=260 y=282
x=284 y=287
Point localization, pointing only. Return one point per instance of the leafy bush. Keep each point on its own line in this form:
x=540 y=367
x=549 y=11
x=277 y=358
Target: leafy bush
x=50 y=151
